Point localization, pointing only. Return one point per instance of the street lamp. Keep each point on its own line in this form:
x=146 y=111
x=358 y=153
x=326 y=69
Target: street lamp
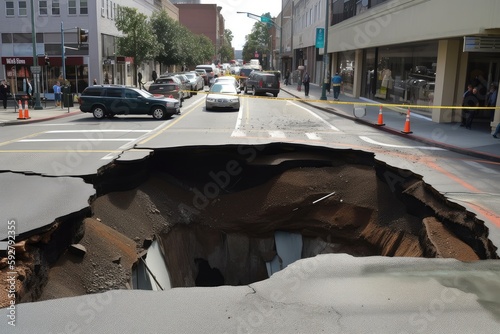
x=325 y=55
x=263 y=19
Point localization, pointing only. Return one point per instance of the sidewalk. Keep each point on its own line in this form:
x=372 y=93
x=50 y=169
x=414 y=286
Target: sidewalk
x=10 y=115
x=477 y=142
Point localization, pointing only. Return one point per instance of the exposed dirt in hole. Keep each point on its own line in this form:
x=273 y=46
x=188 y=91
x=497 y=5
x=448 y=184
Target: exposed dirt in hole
x=218 y=207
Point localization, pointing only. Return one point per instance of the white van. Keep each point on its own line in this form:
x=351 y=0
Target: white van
x=255 y=64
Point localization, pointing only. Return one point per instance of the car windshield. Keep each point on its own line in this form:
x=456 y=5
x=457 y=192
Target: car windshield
x=190 y=75
x=223 y=88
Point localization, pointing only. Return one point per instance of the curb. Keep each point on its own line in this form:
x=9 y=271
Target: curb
x=29 y=121
x=456 y=149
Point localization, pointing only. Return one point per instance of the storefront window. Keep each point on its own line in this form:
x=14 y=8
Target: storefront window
x=405 y=74
x=346 y=70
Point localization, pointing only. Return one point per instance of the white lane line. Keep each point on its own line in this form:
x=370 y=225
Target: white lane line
x=277 y=134
x=237 y=132
x=371 y=141
x=51 y=124
x=332 y=127
x=78 y=139
x=313 y=136
x=97 y=131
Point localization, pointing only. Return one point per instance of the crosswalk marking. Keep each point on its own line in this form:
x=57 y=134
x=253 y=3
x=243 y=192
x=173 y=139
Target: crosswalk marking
x=98 y=131
x=73 y=140
x=313 y=136
x=277 y=134
x=238 y=133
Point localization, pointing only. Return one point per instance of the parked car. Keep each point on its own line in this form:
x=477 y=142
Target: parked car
x=171 y=90
x=261 y=83
x=196 y=80
x=222 y=96
x=210 y=69
x=185 y=84
x=203 y=74
x=109 y=100
x=164 y=79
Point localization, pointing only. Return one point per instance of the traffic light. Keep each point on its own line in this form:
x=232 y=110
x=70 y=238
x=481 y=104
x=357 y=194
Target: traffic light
x=47 y=60
x=83 y=36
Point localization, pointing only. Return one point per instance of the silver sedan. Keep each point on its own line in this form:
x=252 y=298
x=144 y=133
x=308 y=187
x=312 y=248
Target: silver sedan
x=223 y=96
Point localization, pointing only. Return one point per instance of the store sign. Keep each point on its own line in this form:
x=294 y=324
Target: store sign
x=320 y=38
x=481 y=44
x=15 y=61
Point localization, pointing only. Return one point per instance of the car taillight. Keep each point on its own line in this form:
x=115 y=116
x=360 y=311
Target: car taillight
x=261 y=83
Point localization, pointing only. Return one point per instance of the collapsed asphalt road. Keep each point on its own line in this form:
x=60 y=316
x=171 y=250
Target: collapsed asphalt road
x=219 y=207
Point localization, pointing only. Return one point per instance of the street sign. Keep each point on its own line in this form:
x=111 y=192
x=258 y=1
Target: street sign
x=36 y=69
x=320 y=38
x=265 y=19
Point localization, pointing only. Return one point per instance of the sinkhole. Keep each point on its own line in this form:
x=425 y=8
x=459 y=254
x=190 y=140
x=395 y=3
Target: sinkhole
x=235 y=214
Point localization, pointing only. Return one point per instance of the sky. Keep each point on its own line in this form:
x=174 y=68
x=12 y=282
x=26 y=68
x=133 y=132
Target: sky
x=240 y=24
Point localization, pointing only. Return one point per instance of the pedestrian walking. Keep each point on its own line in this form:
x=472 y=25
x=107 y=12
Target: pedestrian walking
x=497 y=130
x=29 y=91
x=306 y=80
x=337 y=84
x=139 y=79
x=329 y=84
x=464 y=104
x=4 y=93
x=287 y=77
x=491 y=100
x=95 y=82
x=57 y=93
x=154 y=76
x=471 y=101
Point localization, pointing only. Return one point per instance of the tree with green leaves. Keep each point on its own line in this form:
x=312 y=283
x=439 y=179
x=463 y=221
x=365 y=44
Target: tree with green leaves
x=168 y=33
x=258 y=40
x=139 y=40
x=179 y=45
x=227 y=50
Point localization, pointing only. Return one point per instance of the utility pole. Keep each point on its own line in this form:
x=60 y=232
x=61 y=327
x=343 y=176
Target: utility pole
x=325 y=54
x=35 y=69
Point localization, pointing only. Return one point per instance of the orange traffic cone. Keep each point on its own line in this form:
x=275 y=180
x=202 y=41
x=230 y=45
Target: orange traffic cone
x=380 y=117
x=21 y=114
x=26 y=111
x=407 y=123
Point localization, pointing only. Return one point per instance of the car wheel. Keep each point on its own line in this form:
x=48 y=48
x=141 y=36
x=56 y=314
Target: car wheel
x=245 y=90
x=275 y=94
x=158 y=113
x=98 y=112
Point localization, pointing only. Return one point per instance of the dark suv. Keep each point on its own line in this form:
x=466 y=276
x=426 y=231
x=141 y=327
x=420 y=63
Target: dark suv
x=110 y=100
x=261 y=83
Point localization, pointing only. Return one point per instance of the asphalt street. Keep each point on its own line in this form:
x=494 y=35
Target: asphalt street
x=476 y=142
